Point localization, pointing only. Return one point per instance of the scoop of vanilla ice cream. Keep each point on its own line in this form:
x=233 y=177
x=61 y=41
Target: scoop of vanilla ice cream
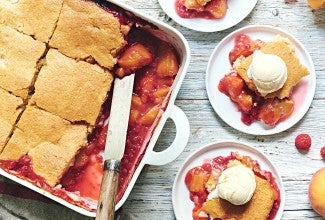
x=268 y=72
x=236 y=185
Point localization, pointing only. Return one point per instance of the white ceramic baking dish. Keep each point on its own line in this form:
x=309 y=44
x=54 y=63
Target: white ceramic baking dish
x=169 y=34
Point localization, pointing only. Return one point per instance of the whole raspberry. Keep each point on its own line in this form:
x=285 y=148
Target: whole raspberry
x=303 y=142
x=322 y=152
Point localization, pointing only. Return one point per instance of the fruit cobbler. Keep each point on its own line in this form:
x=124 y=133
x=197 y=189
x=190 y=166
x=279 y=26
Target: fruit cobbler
x=57 y=66
x=232 y=187
x=208 y=9
x=262 y=79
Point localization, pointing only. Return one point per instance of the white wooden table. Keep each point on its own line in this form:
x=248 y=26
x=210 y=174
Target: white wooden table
x=151 y=196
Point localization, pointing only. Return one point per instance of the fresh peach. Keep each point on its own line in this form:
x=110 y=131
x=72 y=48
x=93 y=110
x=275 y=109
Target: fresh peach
x=317 y=192
x=316 y=4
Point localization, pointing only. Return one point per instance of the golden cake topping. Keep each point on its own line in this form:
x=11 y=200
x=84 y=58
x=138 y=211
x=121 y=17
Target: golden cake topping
x=36 y=18
x=86 y=31
x=19 y=55
x=72 y=90
x=257 y=208
x=59 y=156
x=35 y=126
x=282 y=48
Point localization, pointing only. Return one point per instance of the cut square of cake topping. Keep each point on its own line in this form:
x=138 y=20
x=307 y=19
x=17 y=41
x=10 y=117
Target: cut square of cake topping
x=72 y=90
x=86 y=31
x=283 y=48
x=19 y=55
x=35 y=127
x=10 y=108
x=52 y=160
x=258 y=207
x=36 y=18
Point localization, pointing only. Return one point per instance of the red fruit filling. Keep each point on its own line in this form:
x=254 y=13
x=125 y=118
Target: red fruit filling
x=155 y=64
x=197 y=178
x=214 y=9
x=244 y=46
x=252 y=106
x=303 y=142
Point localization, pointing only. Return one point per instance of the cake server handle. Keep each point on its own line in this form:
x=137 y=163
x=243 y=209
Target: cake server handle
x=106 y=202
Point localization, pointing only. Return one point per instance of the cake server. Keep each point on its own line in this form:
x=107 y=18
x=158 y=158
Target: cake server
x=115 y=144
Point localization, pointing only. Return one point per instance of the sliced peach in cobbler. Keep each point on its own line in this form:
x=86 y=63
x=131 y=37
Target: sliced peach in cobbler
x=233 y=86
x=208 y=9
x=133 y=58
x=262 y=79
x=273 y=111
x=168 y=63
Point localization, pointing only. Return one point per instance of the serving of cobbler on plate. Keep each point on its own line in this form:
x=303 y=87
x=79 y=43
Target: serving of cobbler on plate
x=58 y=59
x=264 y=78
x=232 y=187
x=208 y=9
x=228 y=180
x=207 y=15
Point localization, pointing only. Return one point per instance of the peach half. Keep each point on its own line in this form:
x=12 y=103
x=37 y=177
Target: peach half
x=317 y=191
x=316 y=4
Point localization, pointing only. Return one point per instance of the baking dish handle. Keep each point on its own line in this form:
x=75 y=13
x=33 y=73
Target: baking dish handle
x=176 y=148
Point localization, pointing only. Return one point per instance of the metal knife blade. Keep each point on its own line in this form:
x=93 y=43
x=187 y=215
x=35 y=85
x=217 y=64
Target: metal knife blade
x=119 y=118
x=115 y=145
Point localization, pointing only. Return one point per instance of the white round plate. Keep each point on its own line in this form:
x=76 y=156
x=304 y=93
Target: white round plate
x=181 y=197
x=219 y=65
x=237 y=11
